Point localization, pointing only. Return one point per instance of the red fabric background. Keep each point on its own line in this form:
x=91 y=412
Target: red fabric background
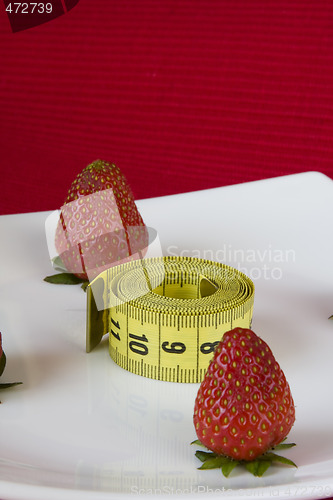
x=181 y=94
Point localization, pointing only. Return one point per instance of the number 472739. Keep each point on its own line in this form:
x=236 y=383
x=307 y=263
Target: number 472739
x=29 y=8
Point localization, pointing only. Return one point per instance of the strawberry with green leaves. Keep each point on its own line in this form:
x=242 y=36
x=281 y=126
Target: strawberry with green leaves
x=2 y=367
x=100 y=225
x=244 y=408
x=2 y=357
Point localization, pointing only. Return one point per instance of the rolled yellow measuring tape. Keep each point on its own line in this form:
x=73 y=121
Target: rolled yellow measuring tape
x=165 y=315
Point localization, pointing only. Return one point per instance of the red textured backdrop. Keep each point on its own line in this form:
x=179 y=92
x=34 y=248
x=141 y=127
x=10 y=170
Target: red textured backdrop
x=181 y=94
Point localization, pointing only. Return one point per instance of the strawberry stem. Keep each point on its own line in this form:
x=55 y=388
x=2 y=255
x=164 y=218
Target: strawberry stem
x=9 y=384
x=64 y=279
x=257 y=467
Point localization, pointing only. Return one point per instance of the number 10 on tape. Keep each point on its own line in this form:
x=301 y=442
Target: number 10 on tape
x=165 y=316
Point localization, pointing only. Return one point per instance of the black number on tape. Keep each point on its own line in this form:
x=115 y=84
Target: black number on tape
x=116 y=324
x=137 y=345
x=175 y=347
x=208 y=347
x=115 y=334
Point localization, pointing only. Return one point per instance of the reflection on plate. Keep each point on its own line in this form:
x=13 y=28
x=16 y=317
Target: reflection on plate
x=81 y=427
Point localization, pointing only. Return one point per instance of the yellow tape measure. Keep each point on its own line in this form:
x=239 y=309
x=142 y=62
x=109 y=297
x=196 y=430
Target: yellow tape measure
x=165 y=315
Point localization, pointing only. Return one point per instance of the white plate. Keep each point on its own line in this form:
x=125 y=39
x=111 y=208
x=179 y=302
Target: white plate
x=81 y=428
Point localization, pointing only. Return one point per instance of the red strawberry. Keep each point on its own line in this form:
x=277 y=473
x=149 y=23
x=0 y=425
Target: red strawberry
x=244 y=406
x=2 y=367
x=99 y=223
x=2 y=357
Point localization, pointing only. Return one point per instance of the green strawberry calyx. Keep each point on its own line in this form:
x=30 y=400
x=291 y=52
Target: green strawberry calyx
x=9 y=384
x=6 y=385
x=257 y=467
x=64 y=277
